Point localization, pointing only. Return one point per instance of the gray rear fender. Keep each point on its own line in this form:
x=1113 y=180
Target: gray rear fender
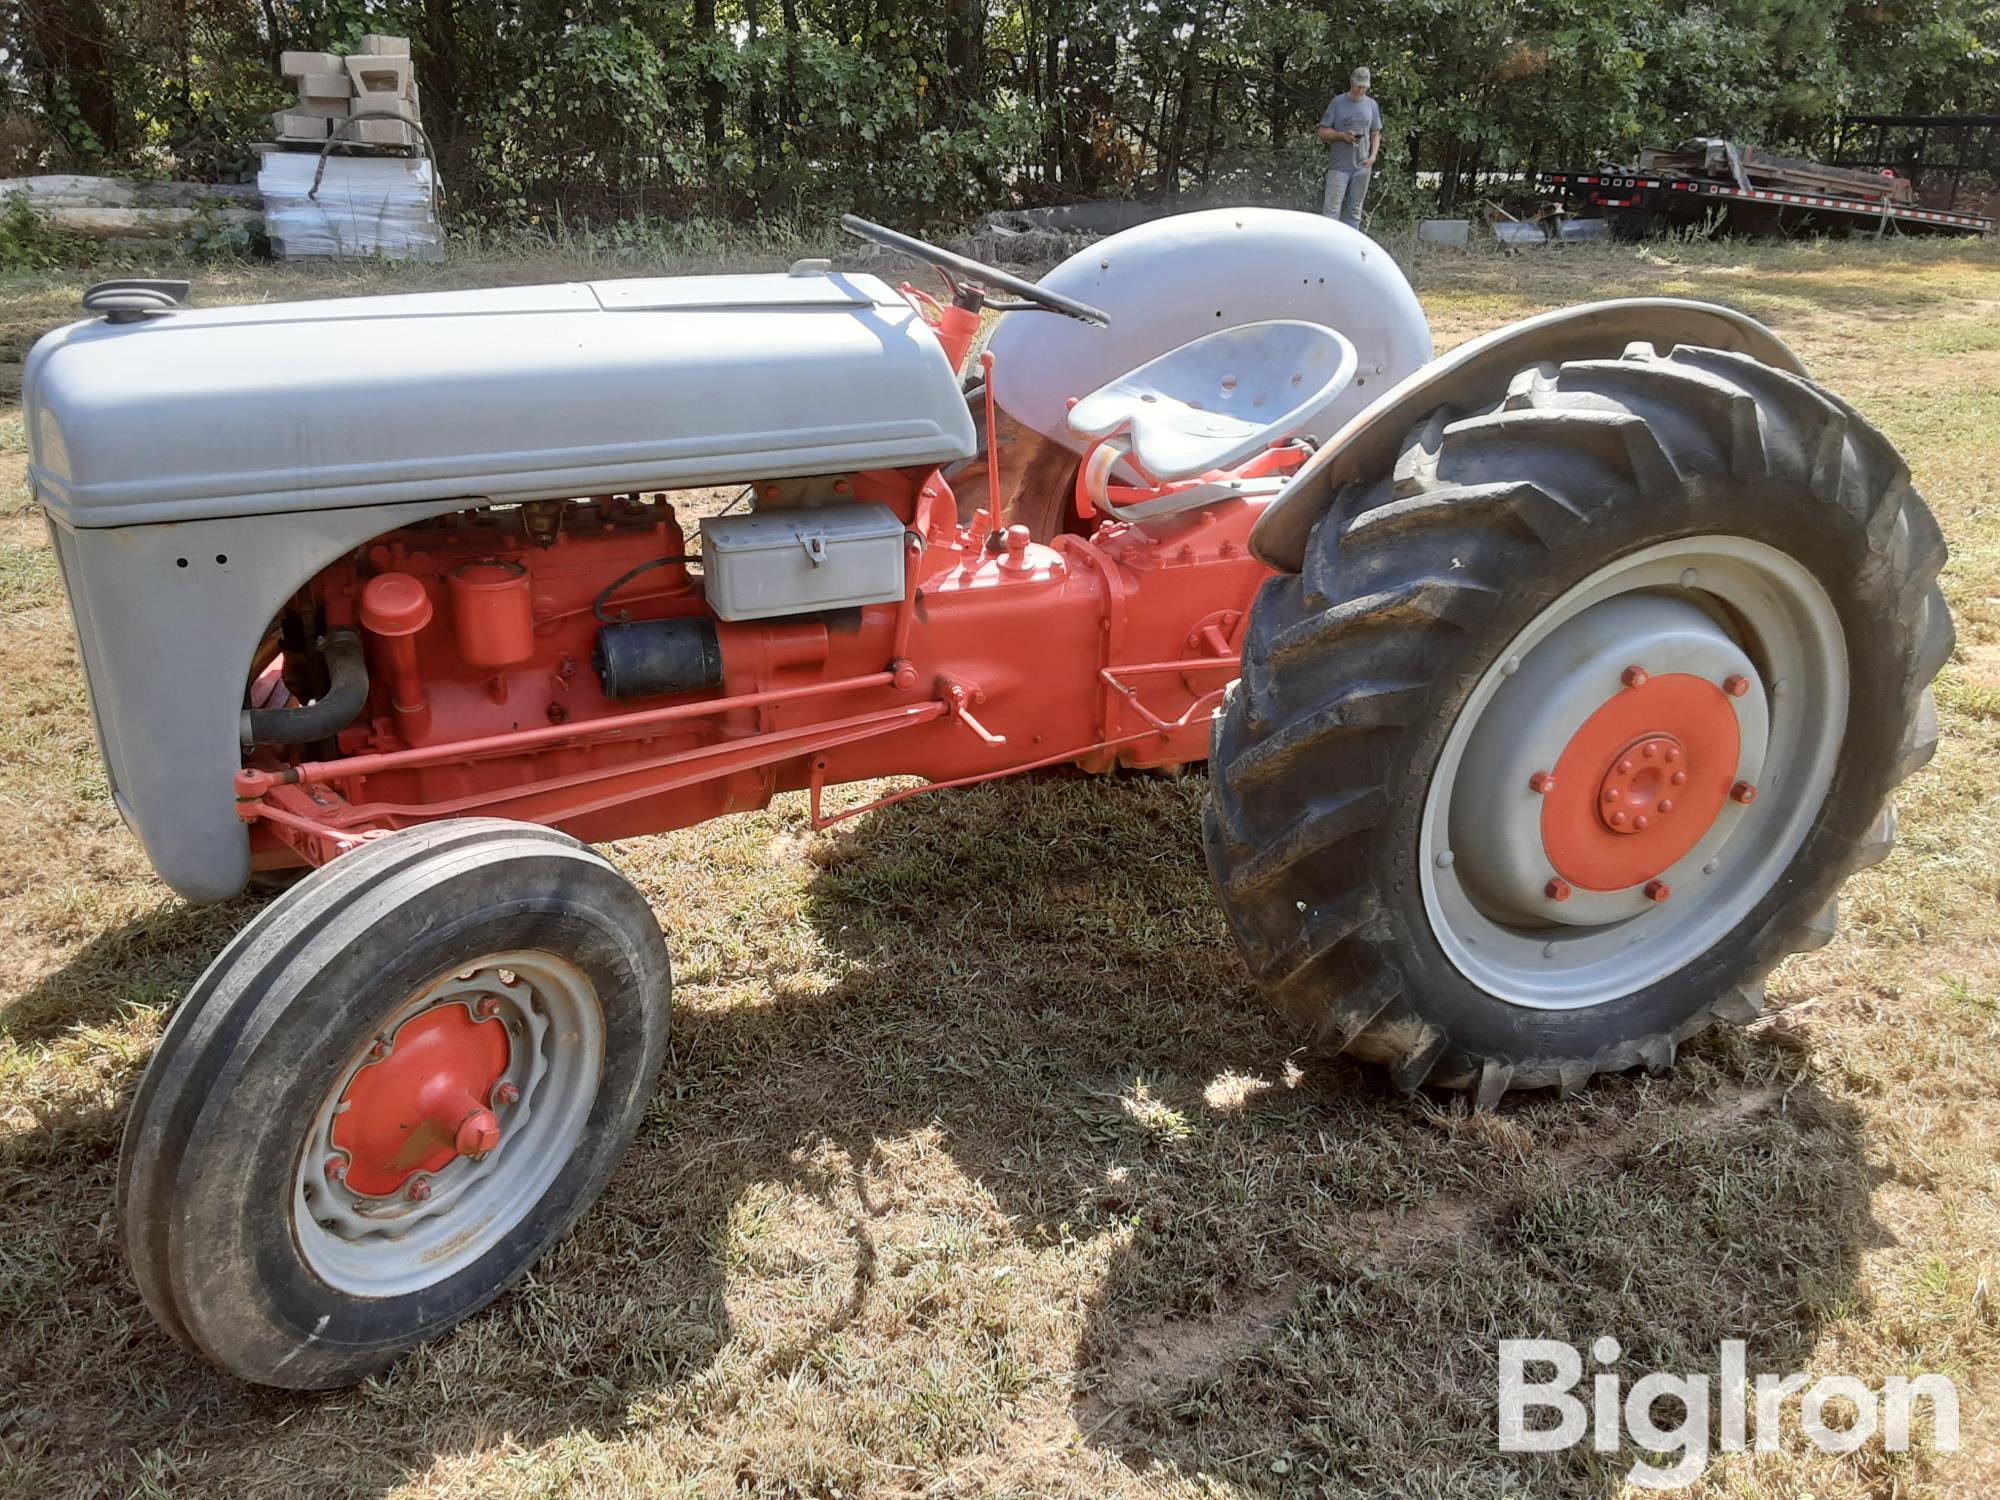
x=1476 y=374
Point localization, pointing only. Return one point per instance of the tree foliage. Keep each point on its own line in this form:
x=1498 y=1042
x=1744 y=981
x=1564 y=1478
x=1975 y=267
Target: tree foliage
x=731 y=108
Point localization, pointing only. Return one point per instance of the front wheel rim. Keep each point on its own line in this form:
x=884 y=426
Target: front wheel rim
x=414 y=1228
x=1737 y=613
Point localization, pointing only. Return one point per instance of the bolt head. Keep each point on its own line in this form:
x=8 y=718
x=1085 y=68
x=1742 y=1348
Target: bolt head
x=1543 y=782
x=1635 y=676
x=335 y=1168
x=1625 y=767
x=1743 y=792
x=1642 y=821
x=380 y=1049
x=478 y=1134
x=1612 y=794
x=1618 y=820
x=1658 y=890
x=487 y=1008
x=1666 y=804
x=1736 y=684
x=1557 y=889
x=507 y=1093
x=417 y=1189
x=1679 y=778
x=1649 y=750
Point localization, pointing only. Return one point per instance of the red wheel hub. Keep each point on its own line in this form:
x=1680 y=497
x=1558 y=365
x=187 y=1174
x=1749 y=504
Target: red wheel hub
x=1643 y=785
x=425 y=1103
x=1641 y=781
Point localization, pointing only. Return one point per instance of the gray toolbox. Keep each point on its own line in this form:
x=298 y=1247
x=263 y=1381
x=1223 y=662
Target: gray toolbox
x=789 y=562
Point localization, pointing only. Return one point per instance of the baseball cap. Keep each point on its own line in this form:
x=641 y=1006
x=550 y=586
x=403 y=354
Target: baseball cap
x=1360 y=75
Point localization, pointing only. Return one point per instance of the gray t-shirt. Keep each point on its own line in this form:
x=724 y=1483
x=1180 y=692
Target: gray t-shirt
x=1349 y=113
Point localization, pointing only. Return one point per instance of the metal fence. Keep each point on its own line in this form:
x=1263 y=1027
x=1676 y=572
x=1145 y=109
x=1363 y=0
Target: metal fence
x=1948 y=158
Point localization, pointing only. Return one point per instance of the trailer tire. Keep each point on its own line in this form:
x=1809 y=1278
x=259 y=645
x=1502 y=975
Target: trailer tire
x=1377 y=856
x=510 y=947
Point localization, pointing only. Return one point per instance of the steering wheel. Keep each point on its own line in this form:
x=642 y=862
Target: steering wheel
x=957 y=269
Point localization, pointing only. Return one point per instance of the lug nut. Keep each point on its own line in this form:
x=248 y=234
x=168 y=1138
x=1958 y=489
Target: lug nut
x=419 y=1189
x=1543 y=782
x=1666 y=804
x=1658 y=890
x=1635 y=676
x=487 y=1008
x=1625 y=767
x=1649 y=749
x=1618 y=820
x=1642 y=821
x=1557 y=889
x=1679 y=778
x=478 y=1134
x=335 y=1168
x=379 y=1050
x=1612 y=794
x=1743 y=792
x=1736 y=684
x=507 y=1093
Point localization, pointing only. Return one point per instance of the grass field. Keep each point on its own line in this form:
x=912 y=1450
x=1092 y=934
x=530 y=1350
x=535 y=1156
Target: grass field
x=978 y=1168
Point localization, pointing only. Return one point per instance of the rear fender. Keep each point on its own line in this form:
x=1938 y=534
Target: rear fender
x=1476 y=374
x=1172 y=280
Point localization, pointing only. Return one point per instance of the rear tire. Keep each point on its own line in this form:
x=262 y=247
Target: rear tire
x=529 y=959
x=1339 y=772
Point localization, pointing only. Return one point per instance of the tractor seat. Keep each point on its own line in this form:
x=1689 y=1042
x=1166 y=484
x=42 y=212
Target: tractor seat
x=1221 y=398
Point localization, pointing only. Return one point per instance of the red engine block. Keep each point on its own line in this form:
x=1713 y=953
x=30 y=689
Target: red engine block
x=1005 y=654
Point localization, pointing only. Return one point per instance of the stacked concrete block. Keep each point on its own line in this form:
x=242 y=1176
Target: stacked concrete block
x=375 y=88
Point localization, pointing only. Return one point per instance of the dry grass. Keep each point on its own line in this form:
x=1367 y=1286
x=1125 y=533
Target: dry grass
x=978 y=1168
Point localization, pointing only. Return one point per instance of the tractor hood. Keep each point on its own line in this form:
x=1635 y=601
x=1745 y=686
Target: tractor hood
x=511 y=394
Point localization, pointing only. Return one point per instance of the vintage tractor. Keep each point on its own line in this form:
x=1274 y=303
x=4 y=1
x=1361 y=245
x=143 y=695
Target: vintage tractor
x=1552 y=689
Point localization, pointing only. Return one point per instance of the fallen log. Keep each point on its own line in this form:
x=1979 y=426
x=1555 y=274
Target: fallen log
x=71 y=190
x=143 y=223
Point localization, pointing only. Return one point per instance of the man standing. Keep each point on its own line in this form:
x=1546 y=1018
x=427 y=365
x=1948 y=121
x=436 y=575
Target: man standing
x=1352 y=125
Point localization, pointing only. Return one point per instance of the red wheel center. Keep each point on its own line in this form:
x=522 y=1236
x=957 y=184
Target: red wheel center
x=1640 y=782
x=425 y=1104
x=1643 y=784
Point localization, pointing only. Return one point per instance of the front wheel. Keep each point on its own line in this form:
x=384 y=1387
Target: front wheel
x=1576 y=722
x=388 y=1096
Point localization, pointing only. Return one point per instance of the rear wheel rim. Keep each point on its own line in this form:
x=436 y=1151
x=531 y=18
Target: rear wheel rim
x=435 y=1223
x=1724 y=609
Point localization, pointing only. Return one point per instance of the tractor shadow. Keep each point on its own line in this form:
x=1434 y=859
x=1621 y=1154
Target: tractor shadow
x=1032 y=1075
x=1308 y=1275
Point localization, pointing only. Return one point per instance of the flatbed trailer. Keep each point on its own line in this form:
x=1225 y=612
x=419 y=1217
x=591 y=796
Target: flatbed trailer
x=1640 y=203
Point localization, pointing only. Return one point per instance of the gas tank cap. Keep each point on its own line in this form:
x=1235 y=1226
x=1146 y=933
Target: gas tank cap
x=135 y=298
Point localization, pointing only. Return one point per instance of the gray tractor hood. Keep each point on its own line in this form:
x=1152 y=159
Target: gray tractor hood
x=511 y=394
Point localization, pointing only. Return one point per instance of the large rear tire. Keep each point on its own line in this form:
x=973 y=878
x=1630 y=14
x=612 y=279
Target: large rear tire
x=1414 y=782
x=396 y=1088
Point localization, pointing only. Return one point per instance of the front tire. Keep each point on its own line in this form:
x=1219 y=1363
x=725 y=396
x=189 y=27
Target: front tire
x=396 y=1088
x=1420 y=869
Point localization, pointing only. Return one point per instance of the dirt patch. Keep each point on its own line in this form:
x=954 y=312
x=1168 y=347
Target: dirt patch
x=1166 y=1356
